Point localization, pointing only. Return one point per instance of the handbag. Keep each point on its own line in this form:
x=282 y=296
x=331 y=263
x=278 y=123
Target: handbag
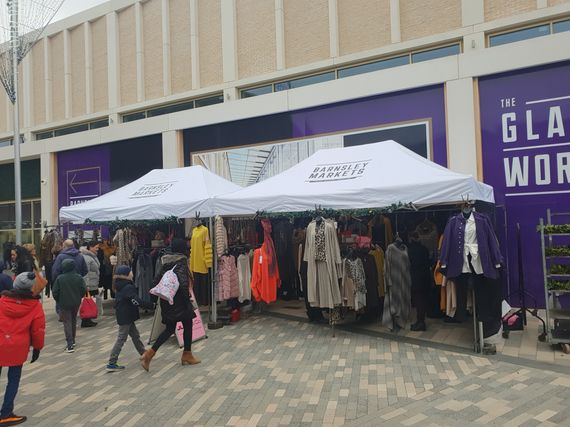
x=88 y=307
x=167 y=287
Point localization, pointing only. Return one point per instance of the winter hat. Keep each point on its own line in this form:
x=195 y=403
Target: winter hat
x=122 y=270
x=25 y=281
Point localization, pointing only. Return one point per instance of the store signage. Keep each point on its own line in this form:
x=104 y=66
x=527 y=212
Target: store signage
x=338 y=171
x=83 y=184
x=151 y=190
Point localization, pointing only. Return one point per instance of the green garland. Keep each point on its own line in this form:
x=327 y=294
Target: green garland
x=560 y=269
x=123 y=223
x=557 y=251
x=335 y=213
x=557 y=285
x=555 y=229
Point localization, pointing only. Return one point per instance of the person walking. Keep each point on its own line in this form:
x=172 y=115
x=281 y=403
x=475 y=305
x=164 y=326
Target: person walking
x=127 y=305
x=181 y=311
x=5 y=279
x=68 y=291
x=24 y=262
x=89 y=254
x=69 y=252
x=22 y=323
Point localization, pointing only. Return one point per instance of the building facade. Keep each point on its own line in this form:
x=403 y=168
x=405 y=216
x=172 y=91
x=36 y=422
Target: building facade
x=479 y=86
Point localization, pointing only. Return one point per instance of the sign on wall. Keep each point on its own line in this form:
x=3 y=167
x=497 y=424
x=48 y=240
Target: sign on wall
x=525 y=122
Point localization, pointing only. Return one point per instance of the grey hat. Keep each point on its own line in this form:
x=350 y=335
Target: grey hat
x=25 y=281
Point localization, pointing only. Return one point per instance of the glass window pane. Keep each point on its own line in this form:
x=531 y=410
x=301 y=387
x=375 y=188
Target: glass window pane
x=27 y=236
x=26 y=214
x=218 y=99
x=256 y=91
x=37 y=207
x=515 y=36
x=561 y=26
x=7 y=216
x=305 y=81
x=44 y=135
x=374 y=66
x=134 y=116
x=170 y=109
x=99 y=124
x=6 y=142
x=436 y=53
x=72 y=129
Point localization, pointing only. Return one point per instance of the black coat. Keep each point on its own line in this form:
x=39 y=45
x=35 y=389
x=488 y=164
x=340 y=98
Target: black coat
x=127 y=302
x=182 y=308
x=420 y=266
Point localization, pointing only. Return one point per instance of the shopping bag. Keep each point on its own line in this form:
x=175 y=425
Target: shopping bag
x=167 y=287
x=39 y=284
x=88 y=308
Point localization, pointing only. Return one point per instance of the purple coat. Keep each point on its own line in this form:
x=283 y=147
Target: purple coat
x=451 y=255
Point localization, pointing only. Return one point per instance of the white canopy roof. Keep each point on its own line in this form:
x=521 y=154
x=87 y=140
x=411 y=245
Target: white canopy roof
x=161 y=193
x=366 y=176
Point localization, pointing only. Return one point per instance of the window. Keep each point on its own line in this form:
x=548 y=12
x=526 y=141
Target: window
x=441 y=52
x=31 y=222
x=81 y=127
x=204 y=102
x=134 y=116
x=72 y=129
x=99 y=124
x=374 y=66
x=561 y=26
x=6 y=142
x=518 y=35
x=304 y=81
x=44 y=135
x=170 y=109
x=255 y=91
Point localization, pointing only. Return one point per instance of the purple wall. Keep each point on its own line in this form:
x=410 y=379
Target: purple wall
x=525 y=123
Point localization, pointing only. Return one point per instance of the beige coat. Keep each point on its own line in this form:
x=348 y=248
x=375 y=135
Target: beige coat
x=324 y=292
x=221 y=236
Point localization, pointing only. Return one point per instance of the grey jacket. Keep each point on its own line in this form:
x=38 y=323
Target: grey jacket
x=93 y=265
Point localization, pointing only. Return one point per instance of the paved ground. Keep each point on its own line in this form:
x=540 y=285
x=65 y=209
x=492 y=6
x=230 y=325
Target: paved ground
x=268 y=371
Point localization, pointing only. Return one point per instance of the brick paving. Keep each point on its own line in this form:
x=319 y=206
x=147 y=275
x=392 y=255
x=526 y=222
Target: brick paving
x=267 y=371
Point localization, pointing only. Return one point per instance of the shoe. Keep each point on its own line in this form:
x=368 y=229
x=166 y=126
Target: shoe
x=146 y=358
x=189 y=359
x=12 y=420
x=70 y=349
x=88 y=324
x=419 y=326
x=113 y=367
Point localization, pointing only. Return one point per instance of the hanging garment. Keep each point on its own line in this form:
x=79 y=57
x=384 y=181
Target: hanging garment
x=398 y=283
x=323 y=275
x=283 y=240
x=452 y=255
x=221 y=236
x=378 y=255
x=371 y=275
x=144 y=276
x=202 y=288
x=451 y=297
x=380 y=230
x=228 y=286
x=125 y=243
x=265 y=272
x=200 y=250
x=427 y=232
x=354 y=284
x=244 y=278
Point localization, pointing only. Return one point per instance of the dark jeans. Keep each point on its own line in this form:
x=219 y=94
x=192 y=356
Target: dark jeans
x=170 y=329
x=14 y=374
x=124 y=332
x=69 y=319
x=202 y=288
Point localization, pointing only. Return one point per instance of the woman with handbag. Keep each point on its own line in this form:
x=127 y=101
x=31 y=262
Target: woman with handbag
x=181 y=310
x=92 y=277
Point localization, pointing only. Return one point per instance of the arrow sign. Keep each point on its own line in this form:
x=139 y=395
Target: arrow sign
x=83 y=184
x=74 y=183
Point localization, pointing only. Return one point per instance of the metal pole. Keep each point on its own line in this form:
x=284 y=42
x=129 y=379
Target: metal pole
x=17 y=176
x=214 y=323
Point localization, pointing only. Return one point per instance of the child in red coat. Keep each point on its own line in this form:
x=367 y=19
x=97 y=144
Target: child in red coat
x=22 y=322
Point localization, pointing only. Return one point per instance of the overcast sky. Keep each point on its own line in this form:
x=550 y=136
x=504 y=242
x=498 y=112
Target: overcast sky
x=71 y=7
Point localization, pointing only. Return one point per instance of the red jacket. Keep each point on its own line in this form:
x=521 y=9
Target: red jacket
x=22 y=323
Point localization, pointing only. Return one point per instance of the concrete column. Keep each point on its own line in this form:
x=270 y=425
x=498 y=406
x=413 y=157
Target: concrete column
x=333 y=28
x=113 y=65
x=194 y=46
x=166 y=66
x=67 y=73
x=88 y=68
x=279 y=35
x=139 y=51
x=172 y=149
x=461 y=126
x=27 y=67
x=231 y=94
x=229 y=40
x=48 y=188
x=395 y=21
x=48 y=80
x=472 y=12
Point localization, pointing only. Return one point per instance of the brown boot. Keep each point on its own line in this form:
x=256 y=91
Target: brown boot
x=189 y=359
x=146 y=358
